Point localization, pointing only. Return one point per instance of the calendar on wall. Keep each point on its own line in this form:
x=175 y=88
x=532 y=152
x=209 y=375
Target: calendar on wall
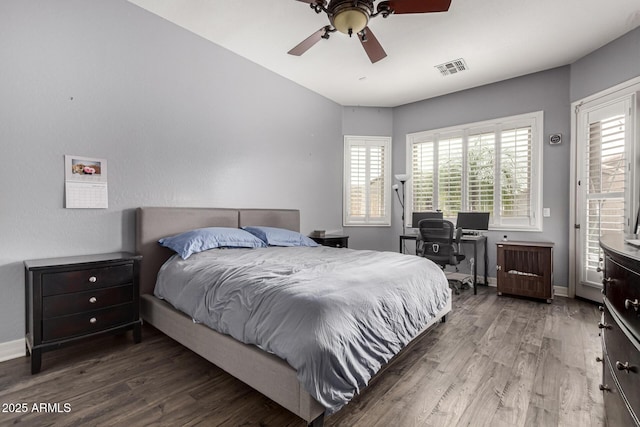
x=85 y=183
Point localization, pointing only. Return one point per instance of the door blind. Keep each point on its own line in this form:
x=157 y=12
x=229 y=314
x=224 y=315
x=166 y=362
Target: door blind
x=607 y=182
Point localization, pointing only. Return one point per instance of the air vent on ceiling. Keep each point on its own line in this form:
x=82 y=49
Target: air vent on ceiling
x=452 y=67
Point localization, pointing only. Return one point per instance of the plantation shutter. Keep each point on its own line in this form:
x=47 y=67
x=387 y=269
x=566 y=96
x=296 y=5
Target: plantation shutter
x=606 y=179
x=515 y=174
x=450 y=175
x=358 y=178
x=422 y=177
x=367 y=172
x=493 y=166
x=376 y=182
x=481 y=172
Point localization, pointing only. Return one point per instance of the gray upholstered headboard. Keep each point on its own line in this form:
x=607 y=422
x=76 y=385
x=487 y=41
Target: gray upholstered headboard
x=153 y=223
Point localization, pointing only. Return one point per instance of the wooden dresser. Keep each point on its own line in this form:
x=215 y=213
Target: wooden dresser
x=525 y=269
x=71 y=298
x=620 y=332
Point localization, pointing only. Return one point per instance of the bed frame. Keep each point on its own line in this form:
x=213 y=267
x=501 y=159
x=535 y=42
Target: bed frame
x=265 y=372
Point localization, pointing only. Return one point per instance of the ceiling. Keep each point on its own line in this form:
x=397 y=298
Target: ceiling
x=498 y=40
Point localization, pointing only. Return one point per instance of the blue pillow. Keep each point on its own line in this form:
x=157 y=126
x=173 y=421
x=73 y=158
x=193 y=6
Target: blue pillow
x=273 y=236
x=201 y=239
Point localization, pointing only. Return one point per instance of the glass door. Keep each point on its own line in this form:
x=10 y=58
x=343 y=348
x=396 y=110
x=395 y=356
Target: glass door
x=604 y=182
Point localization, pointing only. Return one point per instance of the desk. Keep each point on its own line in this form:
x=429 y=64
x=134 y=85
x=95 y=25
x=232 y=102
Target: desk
x=476 y=240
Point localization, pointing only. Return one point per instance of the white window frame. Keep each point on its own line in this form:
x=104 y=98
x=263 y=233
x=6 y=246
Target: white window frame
x=533 y=119
x=368 y=219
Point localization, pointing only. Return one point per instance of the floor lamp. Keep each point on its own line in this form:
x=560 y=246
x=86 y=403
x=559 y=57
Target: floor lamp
x=402 y=177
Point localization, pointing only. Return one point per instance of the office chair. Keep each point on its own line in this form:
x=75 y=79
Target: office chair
x=439 y=241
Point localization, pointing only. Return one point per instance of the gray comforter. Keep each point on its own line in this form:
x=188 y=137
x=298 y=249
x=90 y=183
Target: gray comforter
x=335 y=315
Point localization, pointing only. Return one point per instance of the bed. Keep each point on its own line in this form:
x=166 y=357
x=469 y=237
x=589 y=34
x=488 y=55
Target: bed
x=265 y=372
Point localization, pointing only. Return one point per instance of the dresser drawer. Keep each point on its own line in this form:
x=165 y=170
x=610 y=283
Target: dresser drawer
x=623 y=356
x=86 y=323
x=617 y=413
x=84 y=280
x=622 y=289
x=65 y=304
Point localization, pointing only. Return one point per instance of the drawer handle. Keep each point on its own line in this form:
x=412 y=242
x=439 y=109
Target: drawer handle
x=93 y=320
x=603 y=326
x=625 y=367
x=93 y=300
x=604 y=387
x=628 y=304
x=93 y=279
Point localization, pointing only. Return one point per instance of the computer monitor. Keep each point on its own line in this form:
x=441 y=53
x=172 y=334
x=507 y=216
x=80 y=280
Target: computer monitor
x=417 y=216
x=473 y=221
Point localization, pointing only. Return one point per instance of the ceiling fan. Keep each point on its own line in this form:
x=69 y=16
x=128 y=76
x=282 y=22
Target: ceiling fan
x=352 y=16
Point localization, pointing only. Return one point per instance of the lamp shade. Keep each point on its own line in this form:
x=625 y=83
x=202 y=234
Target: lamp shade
x=402 y=177
x=350 y=21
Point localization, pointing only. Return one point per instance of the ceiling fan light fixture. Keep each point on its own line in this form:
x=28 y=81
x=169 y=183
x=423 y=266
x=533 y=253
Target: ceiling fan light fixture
x=351 y=20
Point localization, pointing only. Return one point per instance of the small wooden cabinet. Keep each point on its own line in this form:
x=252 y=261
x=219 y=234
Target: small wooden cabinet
x=620 y=332
x=525 y=269
x=71 y=298
x=332 y=240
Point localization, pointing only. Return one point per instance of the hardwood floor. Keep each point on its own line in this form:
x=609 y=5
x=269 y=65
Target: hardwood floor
x=497 y=361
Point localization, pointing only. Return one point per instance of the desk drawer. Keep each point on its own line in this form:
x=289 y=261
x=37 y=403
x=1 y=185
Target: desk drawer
x=86 y=323
x=65 y=304
x=84 y=280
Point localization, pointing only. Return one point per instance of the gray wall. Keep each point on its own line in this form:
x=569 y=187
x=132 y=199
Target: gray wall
x=369 y=121
x=608 y=66
x=551 y=91
x=184 y=122
x=180 y=121
x=547 y=91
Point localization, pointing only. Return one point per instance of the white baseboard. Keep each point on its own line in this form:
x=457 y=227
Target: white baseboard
x=561 y=291
x=12 y=349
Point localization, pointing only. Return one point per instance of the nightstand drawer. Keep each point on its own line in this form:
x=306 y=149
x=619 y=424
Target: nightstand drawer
x=84 y=280
x=69 y=298
x=333 y=241
x=86 y=323
x=65 y=304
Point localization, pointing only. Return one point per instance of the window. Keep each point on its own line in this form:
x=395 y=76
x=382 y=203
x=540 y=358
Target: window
x=491 y=167
x=367 y=178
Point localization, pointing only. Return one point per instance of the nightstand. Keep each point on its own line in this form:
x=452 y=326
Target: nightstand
x=71 y=298
x=333 y=240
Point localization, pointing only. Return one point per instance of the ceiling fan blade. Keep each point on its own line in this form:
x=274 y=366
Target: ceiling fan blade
x=372 y=46
x=419 y=6
x=307 y=43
